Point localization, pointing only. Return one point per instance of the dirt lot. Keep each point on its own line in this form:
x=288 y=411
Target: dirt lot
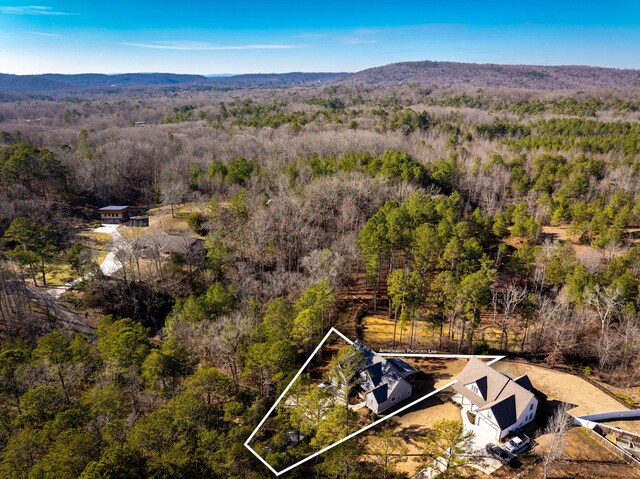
x=560 y=386
x=438 y=371
x=415 y=422
x=586 y=252
x=586 y=458
x=161 y=219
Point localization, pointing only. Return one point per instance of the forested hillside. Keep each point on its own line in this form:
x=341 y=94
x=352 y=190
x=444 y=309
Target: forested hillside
x=491 y=75
x=447 y=210
x=428 y=73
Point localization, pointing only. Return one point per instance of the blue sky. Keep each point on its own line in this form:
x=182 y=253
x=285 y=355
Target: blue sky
x=74 y=36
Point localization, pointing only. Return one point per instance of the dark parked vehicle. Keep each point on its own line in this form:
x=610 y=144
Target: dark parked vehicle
x=500 y=454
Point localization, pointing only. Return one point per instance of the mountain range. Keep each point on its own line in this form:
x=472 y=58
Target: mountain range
x=423 y=72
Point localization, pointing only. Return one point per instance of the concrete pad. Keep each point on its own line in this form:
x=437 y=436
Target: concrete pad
x=478 y=444
x=108 y=229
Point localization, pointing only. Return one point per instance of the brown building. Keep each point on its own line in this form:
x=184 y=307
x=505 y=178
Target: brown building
x=114 y=215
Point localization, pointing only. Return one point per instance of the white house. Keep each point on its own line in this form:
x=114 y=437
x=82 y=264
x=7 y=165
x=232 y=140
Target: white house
x=498 y=402
x=383 y=382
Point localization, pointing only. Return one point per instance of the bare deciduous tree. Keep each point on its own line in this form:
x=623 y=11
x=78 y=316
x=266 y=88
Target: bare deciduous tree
x=557 y=427
x=509 y=297
x=606 y=302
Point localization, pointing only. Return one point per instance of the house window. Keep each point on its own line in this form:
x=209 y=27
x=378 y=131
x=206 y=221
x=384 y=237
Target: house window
x=474 y=388
x=393 y=398
x=531 y=408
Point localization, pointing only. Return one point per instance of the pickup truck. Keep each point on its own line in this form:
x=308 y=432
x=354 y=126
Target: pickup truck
x=500 y=454
x=518 y=444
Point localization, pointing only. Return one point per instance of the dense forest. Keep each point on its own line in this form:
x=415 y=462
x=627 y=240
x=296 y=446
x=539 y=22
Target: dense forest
x=455 y=207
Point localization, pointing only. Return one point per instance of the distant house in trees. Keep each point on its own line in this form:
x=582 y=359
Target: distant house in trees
x=383 y=382
x=499 y=403
x=140 y=123
x=114 y=215
x=166 y=245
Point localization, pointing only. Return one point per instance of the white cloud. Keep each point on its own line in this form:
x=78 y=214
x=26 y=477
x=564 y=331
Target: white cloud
x=202 y=46
x=312 y=36
x=357 y=41
x=369 y=31
x=31 y=10
x=45 y=34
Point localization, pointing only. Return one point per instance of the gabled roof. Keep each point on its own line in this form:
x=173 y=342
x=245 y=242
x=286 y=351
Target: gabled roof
x=483 y=387
x=375 y=373
x=525 y=382
x=381 y=393
x=379 y=372
x=403 y=368
x=506 y=397
x=503 y=410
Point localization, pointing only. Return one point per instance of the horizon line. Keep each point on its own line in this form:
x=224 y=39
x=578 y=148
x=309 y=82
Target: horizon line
x=226 y=74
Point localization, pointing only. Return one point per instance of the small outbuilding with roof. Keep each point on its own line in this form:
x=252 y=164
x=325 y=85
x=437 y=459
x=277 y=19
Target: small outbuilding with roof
x=114 y=215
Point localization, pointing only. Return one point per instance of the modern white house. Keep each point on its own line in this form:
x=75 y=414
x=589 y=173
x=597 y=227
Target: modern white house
x=383 y=382
x=498 y=403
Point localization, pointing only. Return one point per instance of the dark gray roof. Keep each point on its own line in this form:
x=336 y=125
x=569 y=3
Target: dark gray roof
x=483 y=387
x=113 y=208
x=506 y=397
x=504 y=411
x=375 y=373
x=525 y=382
x=369 y=355
x=404 y=368
x=381 y=393
x=380 y=376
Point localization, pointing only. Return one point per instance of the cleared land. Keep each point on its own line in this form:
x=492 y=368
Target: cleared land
x=586 y=458
x=377 y=331
x=560 y=386
x=416 y=421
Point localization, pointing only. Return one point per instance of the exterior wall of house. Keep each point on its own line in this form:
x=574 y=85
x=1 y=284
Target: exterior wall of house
x=484 y=419
x=401 y=392
x=463 y=401
x=527 y=415
x=114 y=217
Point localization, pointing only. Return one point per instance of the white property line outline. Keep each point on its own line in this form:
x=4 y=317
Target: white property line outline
x=494 y=359
x=266 y=416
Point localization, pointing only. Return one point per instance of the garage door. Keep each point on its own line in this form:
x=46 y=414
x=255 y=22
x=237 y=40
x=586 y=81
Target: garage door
x=489 y=427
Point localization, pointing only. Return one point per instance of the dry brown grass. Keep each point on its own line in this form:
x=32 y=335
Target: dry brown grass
x=160 y=219
x=564 y=387
x=585 y=459
x=415 y=423
x=377 y=332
